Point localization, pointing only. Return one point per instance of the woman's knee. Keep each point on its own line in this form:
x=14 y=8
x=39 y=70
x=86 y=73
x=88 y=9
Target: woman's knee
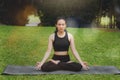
x=45 y=67
x=76 y=66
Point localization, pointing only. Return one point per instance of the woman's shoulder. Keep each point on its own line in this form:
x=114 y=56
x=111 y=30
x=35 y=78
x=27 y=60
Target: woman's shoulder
x=52 y=36
x=69 y=34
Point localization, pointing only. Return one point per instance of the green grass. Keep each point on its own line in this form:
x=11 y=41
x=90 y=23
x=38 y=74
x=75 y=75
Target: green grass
x=27 y=45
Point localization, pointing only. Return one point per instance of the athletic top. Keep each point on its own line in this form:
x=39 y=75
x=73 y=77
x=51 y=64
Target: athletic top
x=61 y=44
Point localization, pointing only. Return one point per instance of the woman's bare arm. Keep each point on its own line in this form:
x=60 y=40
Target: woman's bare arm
x=74 y=51
x=47 y=53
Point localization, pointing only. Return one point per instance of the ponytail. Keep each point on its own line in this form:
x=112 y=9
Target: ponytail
x=56 y=30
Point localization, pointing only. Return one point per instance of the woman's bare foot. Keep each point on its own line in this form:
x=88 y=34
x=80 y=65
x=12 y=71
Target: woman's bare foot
x=55 y=61
x=69 y=61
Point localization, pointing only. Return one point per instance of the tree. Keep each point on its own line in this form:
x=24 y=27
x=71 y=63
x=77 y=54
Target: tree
x=84 y=11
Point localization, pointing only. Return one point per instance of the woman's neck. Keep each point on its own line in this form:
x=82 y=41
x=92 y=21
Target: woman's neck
x=61 y=34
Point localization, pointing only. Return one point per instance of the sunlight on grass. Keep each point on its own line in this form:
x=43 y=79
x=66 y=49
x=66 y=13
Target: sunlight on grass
x=27 y=45
x=90 y=35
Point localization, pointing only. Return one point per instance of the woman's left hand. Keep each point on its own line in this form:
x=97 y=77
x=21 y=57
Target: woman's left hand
x=85 y=66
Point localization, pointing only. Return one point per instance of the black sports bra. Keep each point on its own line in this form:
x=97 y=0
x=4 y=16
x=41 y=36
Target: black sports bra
x=61 y=44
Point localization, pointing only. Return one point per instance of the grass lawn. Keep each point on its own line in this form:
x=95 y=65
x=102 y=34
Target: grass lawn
x=27 y=45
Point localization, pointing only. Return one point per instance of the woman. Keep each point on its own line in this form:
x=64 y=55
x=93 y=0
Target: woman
x=60 y=42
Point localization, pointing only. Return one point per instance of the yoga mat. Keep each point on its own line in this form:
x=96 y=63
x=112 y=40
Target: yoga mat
x=30 y=70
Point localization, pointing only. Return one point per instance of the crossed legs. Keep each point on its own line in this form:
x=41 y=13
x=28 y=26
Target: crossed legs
x=70 y=66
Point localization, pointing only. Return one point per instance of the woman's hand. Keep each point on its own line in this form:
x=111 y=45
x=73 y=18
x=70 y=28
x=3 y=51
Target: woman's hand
x=85 y=66
x=38 y=66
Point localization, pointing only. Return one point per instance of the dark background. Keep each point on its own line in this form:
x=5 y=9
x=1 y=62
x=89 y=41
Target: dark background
x=81 y=12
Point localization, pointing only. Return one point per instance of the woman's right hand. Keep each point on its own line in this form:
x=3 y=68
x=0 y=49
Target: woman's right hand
x=38 y=66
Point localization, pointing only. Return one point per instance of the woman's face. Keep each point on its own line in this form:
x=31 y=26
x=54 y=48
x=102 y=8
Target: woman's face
x=61 y=25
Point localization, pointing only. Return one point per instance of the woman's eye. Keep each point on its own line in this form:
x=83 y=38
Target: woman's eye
x=61 y=24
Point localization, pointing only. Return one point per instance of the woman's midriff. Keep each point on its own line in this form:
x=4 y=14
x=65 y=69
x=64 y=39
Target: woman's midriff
x=61 y=52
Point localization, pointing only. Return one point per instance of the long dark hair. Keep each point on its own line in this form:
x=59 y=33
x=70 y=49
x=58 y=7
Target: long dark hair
x=59 y=18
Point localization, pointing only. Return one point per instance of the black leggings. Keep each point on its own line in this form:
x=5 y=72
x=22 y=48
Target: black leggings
x=62 y=65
